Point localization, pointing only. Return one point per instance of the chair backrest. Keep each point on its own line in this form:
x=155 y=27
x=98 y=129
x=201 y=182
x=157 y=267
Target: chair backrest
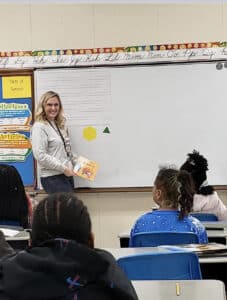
x=157 y=238
x=204 y=216
x=178 y=265
x=10 y=223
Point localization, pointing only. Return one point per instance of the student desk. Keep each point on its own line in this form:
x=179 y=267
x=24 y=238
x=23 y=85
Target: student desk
x=217 y=225
x=214 y=236
x=221 y=229
x=179 y=290
x=217 y=236
x=208 y=259
x=19 y=241
x=213 y=266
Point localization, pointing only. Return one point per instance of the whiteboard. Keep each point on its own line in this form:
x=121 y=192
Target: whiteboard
x=155 y=114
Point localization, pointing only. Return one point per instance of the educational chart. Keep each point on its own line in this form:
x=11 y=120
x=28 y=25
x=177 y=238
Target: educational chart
x=15 y=125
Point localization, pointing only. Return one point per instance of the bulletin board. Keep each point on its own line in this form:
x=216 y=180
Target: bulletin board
x=16 y=110
x=133 y=119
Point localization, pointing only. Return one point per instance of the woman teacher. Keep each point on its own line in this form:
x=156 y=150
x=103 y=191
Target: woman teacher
x=51 y=145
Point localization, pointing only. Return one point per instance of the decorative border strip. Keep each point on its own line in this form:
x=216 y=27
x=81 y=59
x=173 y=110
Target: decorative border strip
x=114 y=55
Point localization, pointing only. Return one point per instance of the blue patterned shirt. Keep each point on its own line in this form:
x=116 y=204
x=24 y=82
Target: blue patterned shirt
x=168 y=220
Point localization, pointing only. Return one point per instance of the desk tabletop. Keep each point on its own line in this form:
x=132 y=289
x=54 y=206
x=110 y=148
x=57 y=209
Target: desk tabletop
x=215 y=224
x=210 y=233
x=124 y=234
x=216 y=233
x=121 y=252
x=22 y=235
x=181 y=289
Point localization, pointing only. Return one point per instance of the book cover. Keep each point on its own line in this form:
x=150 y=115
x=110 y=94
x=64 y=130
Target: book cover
x=86 y=168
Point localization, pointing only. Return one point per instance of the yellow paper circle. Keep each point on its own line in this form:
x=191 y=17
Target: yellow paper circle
x=89 y=133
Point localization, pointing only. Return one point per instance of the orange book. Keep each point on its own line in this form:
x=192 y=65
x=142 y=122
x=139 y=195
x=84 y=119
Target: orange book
x=85 y=168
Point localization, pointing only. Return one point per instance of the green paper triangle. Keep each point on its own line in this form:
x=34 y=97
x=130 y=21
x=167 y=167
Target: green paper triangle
x=106 y=130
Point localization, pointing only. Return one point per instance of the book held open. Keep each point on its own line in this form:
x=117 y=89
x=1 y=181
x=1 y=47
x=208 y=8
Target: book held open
x=85 y=168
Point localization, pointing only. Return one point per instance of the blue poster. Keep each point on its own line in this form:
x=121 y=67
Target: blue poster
x=15 y=125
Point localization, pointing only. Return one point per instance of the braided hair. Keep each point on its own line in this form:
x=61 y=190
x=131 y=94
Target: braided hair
x=177 y=189
x=61 y=215
x=197 y=166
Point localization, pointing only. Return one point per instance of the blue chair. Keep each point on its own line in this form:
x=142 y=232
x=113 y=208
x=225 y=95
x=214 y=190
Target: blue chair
x=204 y=216
x=177 y=265
x=157 y=238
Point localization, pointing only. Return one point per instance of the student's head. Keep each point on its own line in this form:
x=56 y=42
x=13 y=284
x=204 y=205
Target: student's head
x=13 y=200
x=174 y=189
x=61 y=215
x=50 y=108
x=197 y=166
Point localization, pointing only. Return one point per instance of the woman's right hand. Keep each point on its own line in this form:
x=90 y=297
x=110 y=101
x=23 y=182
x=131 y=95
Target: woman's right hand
x=68 y=172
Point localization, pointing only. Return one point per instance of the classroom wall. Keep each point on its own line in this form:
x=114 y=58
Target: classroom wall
x=40 y=26
x=59 y=26
x=114 y=213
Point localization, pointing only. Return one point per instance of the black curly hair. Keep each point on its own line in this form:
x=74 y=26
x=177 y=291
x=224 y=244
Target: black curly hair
x=197 y=165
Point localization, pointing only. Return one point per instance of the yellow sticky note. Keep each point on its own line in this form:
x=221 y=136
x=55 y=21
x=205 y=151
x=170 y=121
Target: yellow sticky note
x=16 y=87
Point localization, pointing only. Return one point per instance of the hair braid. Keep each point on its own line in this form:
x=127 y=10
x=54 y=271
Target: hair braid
x=186 y=193
x=61 y=215
x=177 y=189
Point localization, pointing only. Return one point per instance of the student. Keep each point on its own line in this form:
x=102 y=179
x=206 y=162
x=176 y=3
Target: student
x=14 y=202
x=173 y=192
x=51 y=145
x=205 y=199
x=62 y=262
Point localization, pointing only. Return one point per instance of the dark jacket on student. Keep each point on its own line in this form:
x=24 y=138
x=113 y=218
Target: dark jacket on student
x=63 y=270
x=5 y=248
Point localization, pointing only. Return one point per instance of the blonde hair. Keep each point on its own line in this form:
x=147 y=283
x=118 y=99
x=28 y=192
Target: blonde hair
x=40 y=114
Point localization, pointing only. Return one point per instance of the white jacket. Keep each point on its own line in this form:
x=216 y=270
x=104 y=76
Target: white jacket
x=210 y=204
